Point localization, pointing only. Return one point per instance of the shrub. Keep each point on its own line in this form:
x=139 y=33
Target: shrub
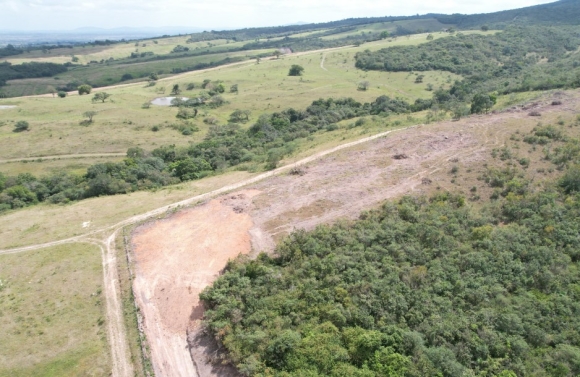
x=85 y=89
x=295 y=70
x=570 y=182
x=127 y=76
x=62 y=94
x=21 y=126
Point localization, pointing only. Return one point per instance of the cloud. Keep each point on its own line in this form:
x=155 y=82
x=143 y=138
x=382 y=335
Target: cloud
x=215 y=14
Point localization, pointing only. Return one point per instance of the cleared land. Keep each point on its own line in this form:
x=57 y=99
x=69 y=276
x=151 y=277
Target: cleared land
x=52 y=313
x=177 y=256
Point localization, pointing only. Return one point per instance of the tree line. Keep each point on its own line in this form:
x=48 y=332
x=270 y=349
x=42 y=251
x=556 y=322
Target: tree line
x=29 y=70
x=267 y=141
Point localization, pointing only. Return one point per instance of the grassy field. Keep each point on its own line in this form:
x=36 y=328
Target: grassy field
x=52 y=313
x=41 y=167
x=266 y=87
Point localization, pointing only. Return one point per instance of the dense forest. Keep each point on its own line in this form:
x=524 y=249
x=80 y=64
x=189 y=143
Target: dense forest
x=29 y=70
x=266 y=141
x=419 y=287
x=518 y=59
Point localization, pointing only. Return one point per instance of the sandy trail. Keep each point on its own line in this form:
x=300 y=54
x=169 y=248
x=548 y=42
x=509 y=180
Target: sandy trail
x=322 y=62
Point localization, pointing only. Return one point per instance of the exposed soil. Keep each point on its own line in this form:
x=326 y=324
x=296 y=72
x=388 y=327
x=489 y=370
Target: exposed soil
x=176 y=258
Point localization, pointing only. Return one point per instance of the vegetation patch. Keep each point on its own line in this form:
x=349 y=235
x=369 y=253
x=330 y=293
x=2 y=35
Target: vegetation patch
x=419 y=287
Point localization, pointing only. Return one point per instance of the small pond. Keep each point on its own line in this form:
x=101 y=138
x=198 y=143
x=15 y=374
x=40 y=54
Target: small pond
x=165 y=101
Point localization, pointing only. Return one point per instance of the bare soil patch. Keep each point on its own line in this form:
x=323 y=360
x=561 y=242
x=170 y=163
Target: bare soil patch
x=175 y=258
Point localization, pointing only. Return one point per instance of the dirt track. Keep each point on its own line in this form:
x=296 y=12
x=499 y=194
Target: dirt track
x=178 y=256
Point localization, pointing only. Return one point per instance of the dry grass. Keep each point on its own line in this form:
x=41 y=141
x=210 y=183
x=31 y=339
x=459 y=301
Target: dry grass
x=52 y=313
x=47 y=222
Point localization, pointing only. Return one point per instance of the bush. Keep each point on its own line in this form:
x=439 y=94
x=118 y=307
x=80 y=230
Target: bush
x=127 y=76
x=21 y=126
x=295 y=70
x=62 y=94
x=85 y=89
x=570 y=182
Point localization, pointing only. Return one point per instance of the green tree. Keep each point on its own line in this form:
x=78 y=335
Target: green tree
x=175 y=90
x=570 y=182
x=21 y=126
x=277 y=54
x=363 y=85
x=234 y=88
x=240 y=116
x=295 y=70
x=62 y=94
x=384 y=35
x=89 y=115
x=482 y=103
x=217 y=101
x=153 y=76
x=51 y=90
x=190 y=168
x=85 y=89
x=101 y=96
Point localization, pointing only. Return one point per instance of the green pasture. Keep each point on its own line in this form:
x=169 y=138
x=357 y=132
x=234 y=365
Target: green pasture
x=121 y=122
x=52 y=316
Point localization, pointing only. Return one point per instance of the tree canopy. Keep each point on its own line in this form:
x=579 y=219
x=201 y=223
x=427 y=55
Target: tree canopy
x=419 y=287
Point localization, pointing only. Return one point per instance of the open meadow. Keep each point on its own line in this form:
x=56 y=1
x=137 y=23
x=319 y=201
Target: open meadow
x=52 y=313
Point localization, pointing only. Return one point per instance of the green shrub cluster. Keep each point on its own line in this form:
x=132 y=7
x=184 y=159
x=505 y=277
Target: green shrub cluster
x=417 y=288
x=504 y=63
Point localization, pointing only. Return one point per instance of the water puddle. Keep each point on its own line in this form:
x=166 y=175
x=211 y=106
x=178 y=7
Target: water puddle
x=165 y=101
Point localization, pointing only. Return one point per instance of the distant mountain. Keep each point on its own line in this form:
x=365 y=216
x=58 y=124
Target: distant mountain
x=88 y=34
x=563 y=12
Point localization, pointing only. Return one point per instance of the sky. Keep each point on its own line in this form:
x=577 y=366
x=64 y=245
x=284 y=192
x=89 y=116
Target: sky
x=222 y=14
